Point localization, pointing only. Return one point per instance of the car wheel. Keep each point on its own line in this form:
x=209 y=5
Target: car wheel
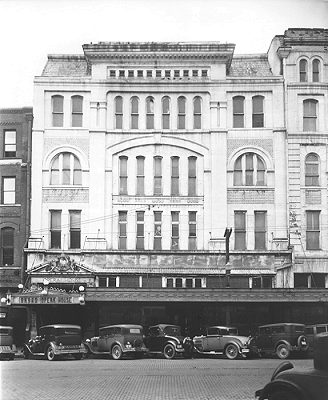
x=26 y=354
x=231 y=351
x=50 y=353
x=283 y=351
x=117 y=352
x=169 y=351
x=283 y=395
x=77 y=356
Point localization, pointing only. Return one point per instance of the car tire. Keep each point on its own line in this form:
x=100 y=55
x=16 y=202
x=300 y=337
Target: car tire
x=303 y=343
x=283 y=351
x=284 y=395
x=117 y=352
x=50 y=353
x=169 y=351
x=231 y=351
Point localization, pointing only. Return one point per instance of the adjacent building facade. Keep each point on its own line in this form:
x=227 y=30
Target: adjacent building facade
x=15 y=184
x=169 y=184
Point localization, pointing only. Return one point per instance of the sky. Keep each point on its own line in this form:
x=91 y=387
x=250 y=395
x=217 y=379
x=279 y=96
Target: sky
x=32 y=29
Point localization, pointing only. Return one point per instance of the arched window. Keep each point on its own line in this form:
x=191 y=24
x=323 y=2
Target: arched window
x=258 y=112
x=197 y=113
x=149 y=113
x=77 y=111
x=238 y=111
x=166 y=113
x=312 y=170
x=57 y=111
x=134 y=112
x=303 y=70
x=65 y=170
x=181 y=113
x=7 y=246
x=118 y=112
x=315 y=70
x=310 y=115
x=249 y=170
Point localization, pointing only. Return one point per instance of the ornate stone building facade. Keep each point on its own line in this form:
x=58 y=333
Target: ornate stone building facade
x=160 y=188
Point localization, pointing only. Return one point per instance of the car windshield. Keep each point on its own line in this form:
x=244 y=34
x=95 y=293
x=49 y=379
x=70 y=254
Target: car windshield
x=172 y=330
x=67 y=331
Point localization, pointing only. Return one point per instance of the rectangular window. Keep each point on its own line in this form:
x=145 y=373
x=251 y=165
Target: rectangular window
x=123 y=175
x=192 y=245
x=55 y=229
x=10 y=144
x=140 y=230
x=192 y=176
x=175 y=230
x=140 y=176
x=178 y=282
x=310 y=115
x=181 y=113
x=175 y=176
x=260 y=230
x=238 y=111
x=122 y=229
x=158 y=73
x=150 y=113
x=204 y=73
x=140 y=73
x=118 y=113
x=121 y=73
x=195 y=72
x=186 y=73
x=167 y=74
x=57 y=111
x=149 y=73
x=258 y=113
x=157 y=176
x=176 y=73
x=313 y=230
x=9 y=190
x=301 y=280
x=77 y=111
x=318 y=280
x=157 y=230
x=240 y=230
x=7 y=246
x=112 y=73
x=130 y=73
x=75 y=229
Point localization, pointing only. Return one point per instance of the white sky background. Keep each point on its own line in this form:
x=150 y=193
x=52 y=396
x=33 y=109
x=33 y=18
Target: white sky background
x=32 y=29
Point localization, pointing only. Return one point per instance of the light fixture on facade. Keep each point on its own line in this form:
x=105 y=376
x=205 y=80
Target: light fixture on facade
x=82 y=296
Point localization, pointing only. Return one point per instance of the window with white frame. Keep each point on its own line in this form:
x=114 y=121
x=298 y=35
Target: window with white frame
x=312 y=170
x=157 y=175
x=303 y=70
x=122 y=229
x=75 y=229
x=123 y=175
x=77 y=111
x=175 y=230
x=260 y=229
x=238 y=111
x=192 y=239
x=315 y=70
x=197 y=112
x=184 y=282
x=8 y=190
x=150 y=117
x=134 y=112
x=258 y=112
x=240 y=230
x=108 y=281
x=57 y=111
x=9 y=143
x=312 y=230
x=7 y=246
x=140 y=230
x=166 y=113
x=175 y=176
x=249 y=170
x=65 y=169
x=181 y=113
x=55 y=229
x=192 y=190
x=310 y=115
x=140 y=175
x=158 y=230
x=118 y=112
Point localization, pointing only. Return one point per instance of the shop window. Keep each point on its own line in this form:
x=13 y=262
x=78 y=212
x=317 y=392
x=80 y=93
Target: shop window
x=7 y=246
x=238 y=111
x=312 y=170
x=10 y=143
x=313 y=230
x=77 y=111
x=310 y=115
x=57 y=111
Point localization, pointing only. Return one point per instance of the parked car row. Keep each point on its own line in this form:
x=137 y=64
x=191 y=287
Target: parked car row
x=52 y=341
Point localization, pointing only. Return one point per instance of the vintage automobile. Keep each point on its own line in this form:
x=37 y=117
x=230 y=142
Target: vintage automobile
x=282 y=339
x=167 y=340
x=118 y=340
x=7 y=347
x=289 y=383
x=56 y=340
x=312 y=330
x=224 y=340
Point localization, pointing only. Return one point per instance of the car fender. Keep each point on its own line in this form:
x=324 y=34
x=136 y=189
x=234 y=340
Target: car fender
x=116 y=343
x=283 y=342
x=236 y=343
x=277 y=385
x=173 y=342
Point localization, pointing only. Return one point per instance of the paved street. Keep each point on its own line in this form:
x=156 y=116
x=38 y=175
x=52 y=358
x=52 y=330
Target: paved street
x=150 y=378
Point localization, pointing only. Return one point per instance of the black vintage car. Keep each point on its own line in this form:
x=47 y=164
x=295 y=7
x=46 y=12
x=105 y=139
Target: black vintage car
x=167 y=340
x=7 y=347
x=56 y=340
x=118 y=340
